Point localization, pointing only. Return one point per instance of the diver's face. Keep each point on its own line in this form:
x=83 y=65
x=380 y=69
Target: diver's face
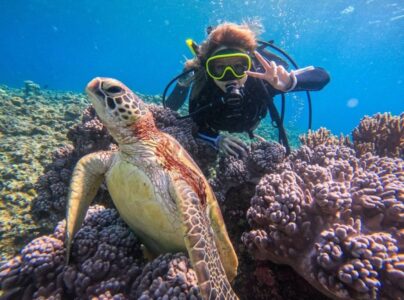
x=228 y=66
x=222 y=84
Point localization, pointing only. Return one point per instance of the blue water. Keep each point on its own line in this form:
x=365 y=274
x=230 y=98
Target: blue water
x=63 y=44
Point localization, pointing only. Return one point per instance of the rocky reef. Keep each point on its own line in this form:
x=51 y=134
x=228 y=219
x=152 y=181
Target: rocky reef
x=333 y=211
x=33 y=124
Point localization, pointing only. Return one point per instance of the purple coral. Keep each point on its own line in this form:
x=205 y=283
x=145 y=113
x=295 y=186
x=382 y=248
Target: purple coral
x=265 y=157
x=106 y=263
x=167 y=277
x=90 y=135
x=52 y=186
x=103 y=249
x=334 y=218
x=35 y=271
x=233 y=172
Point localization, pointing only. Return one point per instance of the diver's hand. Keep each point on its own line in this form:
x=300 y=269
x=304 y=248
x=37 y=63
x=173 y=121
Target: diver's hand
x=275 y=75
x=232 y=146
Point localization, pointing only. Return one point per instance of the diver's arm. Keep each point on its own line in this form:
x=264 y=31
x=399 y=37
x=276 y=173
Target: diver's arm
x=278 y=80
x=309 y=79
x=207 y=134
x=228 y=145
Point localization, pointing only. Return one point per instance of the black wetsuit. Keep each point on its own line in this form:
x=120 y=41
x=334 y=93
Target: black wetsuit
x=215 y=115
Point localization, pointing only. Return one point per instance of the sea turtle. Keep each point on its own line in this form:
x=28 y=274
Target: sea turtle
x=157 y=188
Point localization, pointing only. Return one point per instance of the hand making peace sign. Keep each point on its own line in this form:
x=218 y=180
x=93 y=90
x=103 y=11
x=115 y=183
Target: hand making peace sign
x=275 y=75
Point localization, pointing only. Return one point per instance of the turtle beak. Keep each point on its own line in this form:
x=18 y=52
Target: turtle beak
x=93 y=85
x=94 y=91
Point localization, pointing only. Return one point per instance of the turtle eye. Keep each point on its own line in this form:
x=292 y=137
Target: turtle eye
x=114 y=89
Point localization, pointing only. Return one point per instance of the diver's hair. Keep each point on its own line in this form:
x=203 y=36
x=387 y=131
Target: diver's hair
x=224 y=35
x=228 y=35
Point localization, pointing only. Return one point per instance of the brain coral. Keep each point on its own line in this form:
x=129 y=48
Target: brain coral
x=336 y=219
x=106 y=263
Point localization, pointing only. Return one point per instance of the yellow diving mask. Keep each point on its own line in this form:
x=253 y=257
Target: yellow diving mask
x=228 y=64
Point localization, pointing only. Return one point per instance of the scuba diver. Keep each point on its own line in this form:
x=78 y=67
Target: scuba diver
x=233 y=81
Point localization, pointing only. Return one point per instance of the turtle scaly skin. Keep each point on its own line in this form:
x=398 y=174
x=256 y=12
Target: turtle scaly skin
x=157 y=188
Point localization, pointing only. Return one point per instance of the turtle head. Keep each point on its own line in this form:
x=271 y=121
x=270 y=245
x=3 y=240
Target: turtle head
x=114 y=102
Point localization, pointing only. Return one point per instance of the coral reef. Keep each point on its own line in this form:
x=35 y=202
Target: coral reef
x=332 y=213
x=336 y=219
x=167 y=277
x=382 y=134
x=234 y=172
x=31 y=88
x=234 y=185
x=323 y=136
x=106 y=263
x=333 y=210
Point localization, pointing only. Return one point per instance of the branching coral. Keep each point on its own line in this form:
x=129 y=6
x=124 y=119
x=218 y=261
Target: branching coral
x=265 y=157
x=382 y=134
x=323 y=136
x=335 y=218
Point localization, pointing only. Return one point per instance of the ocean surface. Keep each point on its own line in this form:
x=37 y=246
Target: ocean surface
x=61 y=45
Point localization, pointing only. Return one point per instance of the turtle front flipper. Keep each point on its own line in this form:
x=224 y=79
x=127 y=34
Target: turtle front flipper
x=200 y=242
x=87 y=177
